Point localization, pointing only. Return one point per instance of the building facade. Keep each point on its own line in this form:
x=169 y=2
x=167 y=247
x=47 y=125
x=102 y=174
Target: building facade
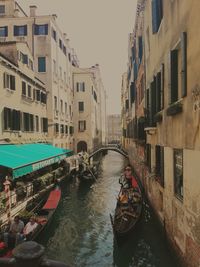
x=170 y=106
x=23 y=97
x=114 y=128
x=89 y=108
x=52 y=62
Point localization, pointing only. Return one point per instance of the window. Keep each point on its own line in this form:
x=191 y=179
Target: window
x=38 y=95
x=43 y=98
x=152 y=102
x=140 y=48
x=65 y=77
x=9 y=81
x=41 y=29
x=178 y=173
x=95 y=96
x=54 y=35
x=148 y=156
x=55 y=103
x=61 y=106
x=24 y=58
x=44 y=122
x=157 y=14
x=62 y=128
x=64 y=50
x=65 y=108
x=71 y=130
x=178 y=70
x=42 y=64
x=60 y=44
x=23 y=88
x=20 y=30
x=37 y=123
x=57 y=128
x=82 y=126
x=66 y=129
x=54 y=66
x=81 y=106
x=29 y=91
x=4 y=31
x=12 y=119
x=30 y=64
x=69 y=57
x=80 y=87
x=160 y=164
x=2 y=9
x=28 y=122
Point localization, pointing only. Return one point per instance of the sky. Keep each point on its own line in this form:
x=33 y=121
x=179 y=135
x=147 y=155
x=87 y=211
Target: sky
x=98 y=31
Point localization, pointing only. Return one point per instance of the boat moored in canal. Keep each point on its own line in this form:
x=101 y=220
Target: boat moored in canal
x=128 y=210
x=42 y=217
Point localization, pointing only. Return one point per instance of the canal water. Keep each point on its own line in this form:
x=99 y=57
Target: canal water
x=80 y=233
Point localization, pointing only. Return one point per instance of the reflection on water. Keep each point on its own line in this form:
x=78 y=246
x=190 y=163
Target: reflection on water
x=80 y=233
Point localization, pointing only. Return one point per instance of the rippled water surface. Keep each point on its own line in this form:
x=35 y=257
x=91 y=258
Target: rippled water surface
x=80 y=233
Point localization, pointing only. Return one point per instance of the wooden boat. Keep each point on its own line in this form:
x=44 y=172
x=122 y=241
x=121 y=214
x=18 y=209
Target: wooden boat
x=89 y=173
x=43 y=217
x=128 y=210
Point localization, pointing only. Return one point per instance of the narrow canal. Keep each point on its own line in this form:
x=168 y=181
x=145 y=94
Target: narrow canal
x=80 y=233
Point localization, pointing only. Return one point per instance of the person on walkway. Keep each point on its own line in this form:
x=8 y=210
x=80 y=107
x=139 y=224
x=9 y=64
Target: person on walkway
x=30 y=227
x=15 y=231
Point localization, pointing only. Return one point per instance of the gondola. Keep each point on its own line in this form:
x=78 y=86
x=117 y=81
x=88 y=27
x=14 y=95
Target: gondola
x=43 y=217
x=89 y=173
x=128 y=210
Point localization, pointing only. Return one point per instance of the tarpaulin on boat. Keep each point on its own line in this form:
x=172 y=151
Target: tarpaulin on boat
x=53 y=200
x=27 y=158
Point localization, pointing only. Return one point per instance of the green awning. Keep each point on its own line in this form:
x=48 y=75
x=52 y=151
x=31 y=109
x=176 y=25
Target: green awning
x=27 y=158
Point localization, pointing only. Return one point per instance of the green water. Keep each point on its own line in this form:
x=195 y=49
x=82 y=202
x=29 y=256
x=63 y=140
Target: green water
x=80 y=233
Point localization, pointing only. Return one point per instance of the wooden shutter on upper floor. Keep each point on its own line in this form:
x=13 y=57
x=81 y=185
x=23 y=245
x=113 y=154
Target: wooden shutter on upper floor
x=174 y=76
x=184 y=64
x=158 y=92
x=162 y=86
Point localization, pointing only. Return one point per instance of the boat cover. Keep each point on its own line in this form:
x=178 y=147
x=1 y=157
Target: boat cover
x=53 y=200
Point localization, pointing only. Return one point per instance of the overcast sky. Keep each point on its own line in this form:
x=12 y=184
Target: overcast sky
x=98 y=31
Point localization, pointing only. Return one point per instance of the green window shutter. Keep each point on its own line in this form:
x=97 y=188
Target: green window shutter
x=184 y=63
x=174 y=76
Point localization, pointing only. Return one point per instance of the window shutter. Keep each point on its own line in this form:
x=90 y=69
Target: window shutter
x=162 y=85
x=160 y=10
x=77 y=87
x=158 y=92
x=174 y=76
x=46 y=29
x=36 y=29
x=25 y=30
x=6 y=31
x=16 y=32
x=152 y=102
x=4 y=80
x=10 y=121
x=5 y=113
x=184 y=63
x=84 y=125
x=162 y=170
x=154 y=16
x=83 y=87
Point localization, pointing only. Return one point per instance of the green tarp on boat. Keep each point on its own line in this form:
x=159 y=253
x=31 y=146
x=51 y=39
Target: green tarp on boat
x=27 y=158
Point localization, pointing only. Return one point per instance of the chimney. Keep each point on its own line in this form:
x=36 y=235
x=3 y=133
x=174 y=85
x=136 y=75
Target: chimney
x=33 y=11
x=16 y=13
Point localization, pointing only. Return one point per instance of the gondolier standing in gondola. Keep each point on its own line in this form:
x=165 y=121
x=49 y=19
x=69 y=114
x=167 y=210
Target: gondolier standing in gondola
x=127 y=180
